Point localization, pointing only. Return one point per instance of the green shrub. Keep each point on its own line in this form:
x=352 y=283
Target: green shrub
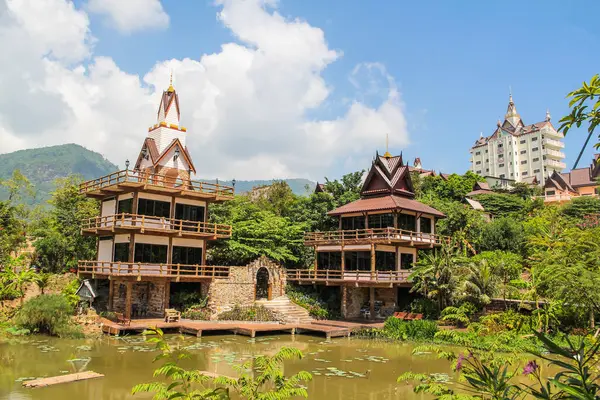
x=252 y=313
x=395 y=328
x=459 y=316
x=49 y=314
x=183 y=300
x=316 y=308
x=69 y=292
x=507 y=321
x=425 y=306
x=196 y=312
x=109 y=315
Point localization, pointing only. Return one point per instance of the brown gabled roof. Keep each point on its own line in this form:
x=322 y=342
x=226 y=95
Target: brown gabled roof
x=150 y=145
x=391 y=203
x=320 y=188
x=184 y=153
x=557 y=180
x=168 y=98
x=388 y=175
x=580 y=177
x=478 y=191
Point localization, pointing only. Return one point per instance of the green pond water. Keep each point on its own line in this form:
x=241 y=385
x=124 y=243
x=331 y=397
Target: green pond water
x=342 y=368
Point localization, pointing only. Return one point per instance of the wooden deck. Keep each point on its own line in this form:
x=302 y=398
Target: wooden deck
x=330 y=329
x=374 y=235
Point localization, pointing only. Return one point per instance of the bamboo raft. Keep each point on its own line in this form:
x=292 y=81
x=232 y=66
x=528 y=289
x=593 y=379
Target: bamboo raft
x=55 y=380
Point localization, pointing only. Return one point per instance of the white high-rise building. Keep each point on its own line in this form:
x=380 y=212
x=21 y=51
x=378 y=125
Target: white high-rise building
x=519 y=152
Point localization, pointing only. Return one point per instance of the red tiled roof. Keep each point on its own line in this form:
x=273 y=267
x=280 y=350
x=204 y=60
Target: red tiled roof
x=579 y=177
x=479 y=191
x=385 y=203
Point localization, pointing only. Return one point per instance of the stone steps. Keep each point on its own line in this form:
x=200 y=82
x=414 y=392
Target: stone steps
x=292 y=313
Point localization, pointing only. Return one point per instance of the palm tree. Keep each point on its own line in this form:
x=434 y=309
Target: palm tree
x=435 y=275
x=18 y=280
x=481 y=283
x=42 y=281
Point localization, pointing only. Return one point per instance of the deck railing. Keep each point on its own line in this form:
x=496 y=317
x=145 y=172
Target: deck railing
x=372 y=235
x=156 y=180
x=114 y=268
x=326 y=275
x=168 y=225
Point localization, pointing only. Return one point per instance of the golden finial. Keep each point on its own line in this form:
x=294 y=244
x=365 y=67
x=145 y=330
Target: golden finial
x=171 y=88
x=387 y=145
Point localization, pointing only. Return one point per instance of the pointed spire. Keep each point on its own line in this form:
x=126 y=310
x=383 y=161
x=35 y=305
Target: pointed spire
x=171 y=89
x=512 y=116
x=387 y=152
x=548 y=116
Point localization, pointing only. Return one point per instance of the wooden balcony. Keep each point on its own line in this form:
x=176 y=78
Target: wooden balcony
x=128 y=181
x=126 y=223
x=374 y=235
x=356 y=278
x=176 y=272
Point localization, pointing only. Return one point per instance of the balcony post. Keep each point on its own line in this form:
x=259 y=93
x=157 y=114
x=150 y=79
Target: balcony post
x=167 y=293
x=372 y=303
x=111 y=293
x=128 y=300
x=316 y=263
x=343 y=264
x=344 y=296
x=372 y=261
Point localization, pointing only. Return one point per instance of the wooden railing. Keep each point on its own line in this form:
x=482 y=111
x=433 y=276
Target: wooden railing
x=310 y=275
x=114 y=268
x=156 y=180
x=171 y=225
x=374 y=234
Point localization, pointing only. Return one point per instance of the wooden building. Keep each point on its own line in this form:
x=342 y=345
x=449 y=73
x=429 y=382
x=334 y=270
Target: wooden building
x=371 y=253
x=153 y=229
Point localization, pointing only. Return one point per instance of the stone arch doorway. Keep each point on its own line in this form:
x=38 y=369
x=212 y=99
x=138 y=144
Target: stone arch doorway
x=263 y=284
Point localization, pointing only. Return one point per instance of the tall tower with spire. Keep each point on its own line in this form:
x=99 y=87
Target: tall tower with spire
x=516 y=152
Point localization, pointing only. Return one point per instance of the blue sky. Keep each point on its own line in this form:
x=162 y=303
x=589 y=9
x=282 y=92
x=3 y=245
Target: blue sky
x=453 y=63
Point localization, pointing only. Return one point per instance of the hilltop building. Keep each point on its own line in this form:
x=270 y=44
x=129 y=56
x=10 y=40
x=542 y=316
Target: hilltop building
x=519 y=152
x=371 y=254
x=561 y=187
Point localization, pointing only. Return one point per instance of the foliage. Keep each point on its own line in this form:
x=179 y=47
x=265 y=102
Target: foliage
x=508 y=205
x=459 y=316
x=505 y=234
x=480 y=284
x=345 y=190
x=425 y=306
x=57 y=232
x=585 y=107
x=13 y=280
x=69 y=292
x=197 y=313
x=249 y=313
x=507 y=321
x=311 y=302
x=434 y=275
x=505 y=266
x=396 y=328
x=261 y=378
x=48 y=313
x=455 y=187
x=580 y=207
x=182 y=300
x=13 y=215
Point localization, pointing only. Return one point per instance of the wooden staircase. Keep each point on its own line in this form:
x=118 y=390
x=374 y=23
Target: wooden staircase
x=292 y=313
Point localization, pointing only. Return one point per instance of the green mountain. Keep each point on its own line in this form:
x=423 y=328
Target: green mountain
x=43 y=165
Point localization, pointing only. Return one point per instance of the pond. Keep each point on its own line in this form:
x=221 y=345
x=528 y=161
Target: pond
x=342 y=368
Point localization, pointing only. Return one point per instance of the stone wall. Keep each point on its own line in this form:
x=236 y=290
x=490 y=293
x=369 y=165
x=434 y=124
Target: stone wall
x=355 y=299
x=239 y=288
x=150 y=293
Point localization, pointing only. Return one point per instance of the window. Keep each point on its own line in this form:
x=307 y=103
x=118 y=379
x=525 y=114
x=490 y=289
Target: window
x=523 y=162
x=536 y=159
x=535 y=149
x=150 y=253
x=478 y=172
x=534 y=139
x=357 y=260
x=486 y=150
x=352 y=223
x=523 y=151
x=381 y=220
x=535 y=171
x=550 y=193
x=477 y=162
x=125 y=206
x=187 y=255
x=409 y=222
x=500 y=145
x=477 y=153
x=524 y=173
x=121 y=252
x=425 y=224
x=154 y=208
x=189 y=213
x=487 y=160
x=385 y=261
x=501 y=165
x=500 y=155
x=406 y=261
x=502 y=175
x=329 y=260
x=522 y=141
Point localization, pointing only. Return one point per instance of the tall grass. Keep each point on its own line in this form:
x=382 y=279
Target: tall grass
x=49 y=314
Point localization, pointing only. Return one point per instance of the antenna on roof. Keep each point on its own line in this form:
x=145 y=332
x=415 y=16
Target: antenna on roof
x=510 y=94
x=387 y=143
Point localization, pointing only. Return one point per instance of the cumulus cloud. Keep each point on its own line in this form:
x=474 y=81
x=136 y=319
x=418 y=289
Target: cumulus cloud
x=248 y=107
x=131 y=15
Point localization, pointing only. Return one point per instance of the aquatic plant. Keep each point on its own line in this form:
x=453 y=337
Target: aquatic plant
x=395 y=328
x=49 y=314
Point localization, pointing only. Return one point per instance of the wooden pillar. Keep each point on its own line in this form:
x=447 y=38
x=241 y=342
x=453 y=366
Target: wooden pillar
x=134 y=205
x=167 y=294
x=366 y=221
x=129 y=286
x=172 y=210
x=344 y=305
x=395 y=220
x=372 y=261
x=372 y=302
x=170 y=251
x=316 y=264
x=398 y=266
x=111 y=294
x=343 y=264
x=131 y=247
x=204 y=252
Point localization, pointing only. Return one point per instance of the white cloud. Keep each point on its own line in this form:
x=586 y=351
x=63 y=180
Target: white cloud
x=246 y=107
x=131 y=15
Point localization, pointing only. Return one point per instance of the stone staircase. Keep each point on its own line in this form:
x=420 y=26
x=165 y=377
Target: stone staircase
x=291 y=312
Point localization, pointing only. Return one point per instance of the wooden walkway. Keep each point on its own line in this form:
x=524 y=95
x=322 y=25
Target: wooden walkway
x=330 y=329
x=54 y=380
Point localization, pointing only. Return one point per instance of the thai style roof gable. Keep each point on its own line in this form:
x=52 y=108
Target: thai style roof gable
x=149 y=152
x=183 y=152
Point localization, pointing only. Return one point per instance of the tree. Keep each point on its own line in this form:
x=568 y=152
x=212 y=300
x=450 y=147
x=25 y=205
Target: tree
x=503 y=234
x=347 y=189
x=481 y=284
x=508 y=205
x=585 y=107
x=580 y=207
x=57 y=232
x=13 y=215
x=435 y=275
x=506 y=266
